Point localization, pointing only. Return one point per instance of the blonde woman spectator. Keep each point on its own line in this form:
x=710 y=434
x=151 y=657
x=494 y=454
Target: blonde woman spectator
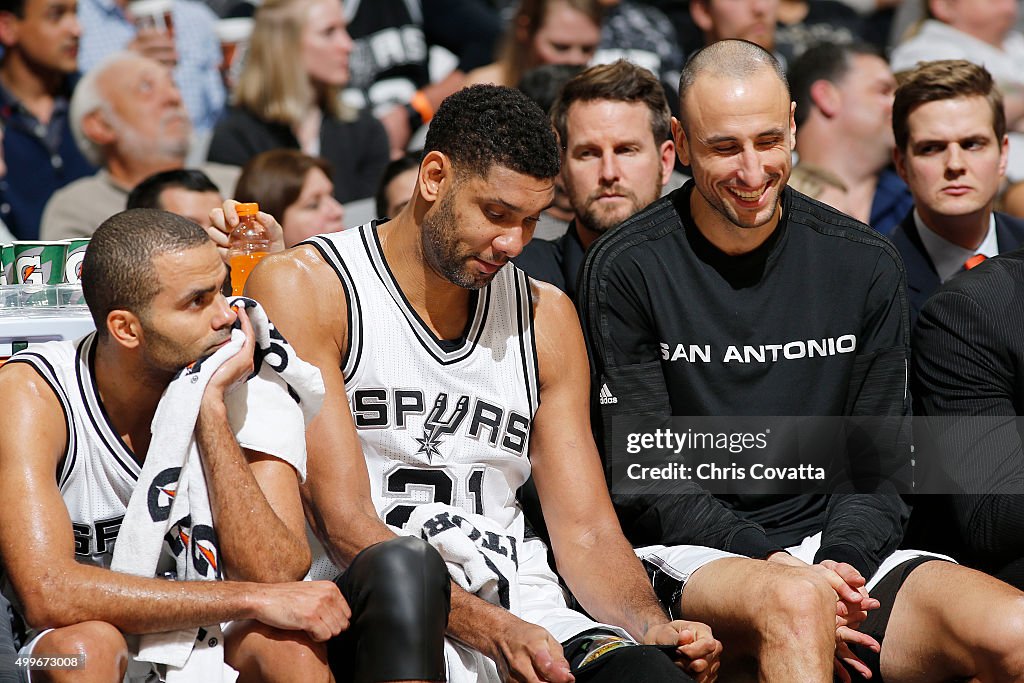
x=288 y=97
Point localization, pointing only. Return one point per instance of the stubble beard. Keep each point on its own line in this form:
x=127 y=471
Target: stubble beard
x=441 y=247
x=601 y=222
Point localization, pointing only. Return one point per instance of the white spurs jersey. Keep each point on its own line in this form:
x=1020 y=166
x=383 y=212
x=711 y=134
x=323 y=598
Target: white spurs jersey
x=98 y=472
x=438 y=421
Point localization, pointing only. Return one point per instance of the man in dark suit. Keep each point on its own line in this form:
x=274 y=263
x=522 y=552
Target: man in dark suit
x=968 y=388
x=951 y=149
x=967 y=346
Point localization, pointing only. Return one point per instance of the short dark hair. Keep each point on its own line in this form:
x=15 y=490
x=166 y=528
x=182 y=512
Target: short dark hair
x=484 y=125
x=146 y=195
x=274 y=179
x=822 y=62
x=733 y=58
x=543 y=83
x=117 y=272
x=392 y=171
x=619 y=81
x=946 y=79
x=15 y=7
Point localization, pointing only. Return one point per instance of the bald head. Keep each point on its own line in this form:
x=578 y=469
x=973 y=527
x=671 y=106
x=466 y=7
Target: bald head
x=128 y=107
x=728 y=59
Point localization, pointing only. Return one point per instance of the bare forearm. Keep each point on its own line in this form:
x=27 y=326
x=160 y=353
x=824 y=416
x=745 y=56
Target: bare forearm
x=1013 y=103
x=607 y=578
x=131 y=603
x=240 y=507
x=473 y=620
x=344 y=528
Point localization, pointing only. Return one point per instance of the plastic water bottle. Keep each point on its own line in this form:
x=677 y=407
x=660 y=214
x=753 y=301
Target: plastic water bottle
x=248 y=243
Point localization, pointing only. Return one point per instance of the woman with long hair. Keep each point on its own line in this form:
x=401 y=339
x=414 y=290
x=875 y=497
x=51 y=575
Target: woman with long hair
x=288 y=96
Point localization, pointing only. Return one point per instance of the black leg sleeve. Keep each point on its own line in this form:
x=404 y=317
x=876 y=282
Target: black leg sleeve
x=400 y=594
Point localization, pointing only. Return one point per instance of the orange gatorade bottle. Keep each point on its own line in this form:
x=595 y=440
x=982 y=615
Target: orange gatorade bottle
x=248 y=243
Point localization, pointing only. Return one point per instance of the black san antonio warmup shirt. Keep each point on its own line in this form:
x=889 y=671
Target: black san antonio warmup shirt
x=656 y=283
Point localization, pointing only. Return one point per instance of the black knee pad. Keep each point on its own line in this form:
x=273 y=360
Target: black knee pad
x=636 y=664
x=400 y=595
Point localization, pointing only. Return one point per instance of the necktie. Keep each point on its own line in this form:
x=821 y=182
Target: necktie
x=974 y=261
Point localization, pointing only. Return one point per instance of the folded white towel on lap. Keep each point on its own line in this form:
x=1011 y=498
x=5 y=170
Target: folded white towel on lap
x=482 y=557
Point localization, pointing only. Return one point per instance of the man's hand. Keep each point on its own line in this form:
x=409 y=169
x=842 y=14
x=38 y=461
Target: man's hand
x=316 y=607
x=850 y=614
x=852 y=606
x=157 y=45
x=846 y=636
x=854 y=602
x=698 y=652
x=527 y=653
x=225 y=220
x=236 y=369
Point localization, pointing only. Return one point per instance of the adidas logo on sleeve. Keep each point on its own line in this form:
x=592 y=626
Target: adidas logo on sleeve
x=606 y=396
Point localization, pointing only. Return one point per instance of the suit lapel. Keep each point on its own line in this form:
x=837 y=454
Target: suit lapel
x=1009 y=232
x=922 y=278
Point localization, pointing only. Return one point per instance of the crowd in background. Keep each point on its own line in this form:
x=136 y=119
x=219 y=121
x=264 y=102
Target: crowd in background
x=94 y=97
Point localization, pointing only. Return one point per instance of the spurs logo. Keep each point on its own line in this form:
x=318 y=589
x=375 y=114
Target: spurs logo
x=441 y=423
x=466 y=415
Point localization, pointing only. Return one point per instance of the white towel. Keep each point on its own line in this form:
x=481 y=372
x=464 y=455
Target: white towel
x=260 y=414
x=482 y=557
x=169 y=511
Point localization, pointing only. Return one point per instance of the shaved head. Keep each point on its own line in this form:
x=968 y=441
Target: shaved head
x=735 y=131
x=732 y=59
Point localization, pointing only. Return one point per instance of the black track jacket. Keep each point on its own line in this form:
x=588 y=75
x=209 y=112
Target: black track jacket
x=656 y=282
